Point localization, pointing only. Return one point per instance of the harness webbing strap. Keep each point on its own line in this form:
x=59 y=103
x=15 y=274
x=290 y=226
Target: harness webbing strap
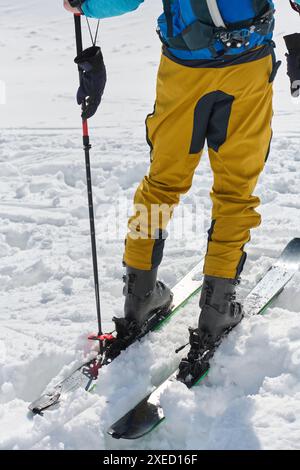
x=215 y=13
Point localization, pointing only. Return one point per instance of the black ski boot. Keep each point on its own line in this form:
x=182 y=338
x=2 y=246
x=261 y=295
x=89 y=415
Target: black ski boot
x=144 y=295
x=146 y=302
x=220 y=312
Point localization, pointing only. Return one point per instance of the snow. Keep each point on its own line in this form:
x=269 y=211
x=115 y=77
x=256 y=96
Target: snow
x=251 y=398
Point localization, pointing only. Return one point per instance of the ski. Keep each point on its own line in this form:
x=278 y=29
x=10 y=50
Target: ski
x=148 y=413
x=86 y=375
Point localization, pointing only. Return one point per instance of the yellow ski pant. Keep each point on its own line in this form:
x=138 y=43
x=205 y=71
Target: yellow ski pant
x=231 y=108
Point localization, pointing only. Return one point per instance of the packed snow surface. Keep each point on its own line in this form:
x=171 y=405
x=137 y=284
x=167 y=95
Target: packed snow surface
x=251 y=399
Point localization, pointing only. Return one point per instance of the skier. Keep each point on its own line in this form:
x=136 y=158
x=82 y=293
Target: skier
x=214 y=83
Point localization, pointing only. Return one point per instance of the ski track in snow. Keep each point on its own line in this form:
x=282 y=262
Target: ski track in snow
x=251 y=399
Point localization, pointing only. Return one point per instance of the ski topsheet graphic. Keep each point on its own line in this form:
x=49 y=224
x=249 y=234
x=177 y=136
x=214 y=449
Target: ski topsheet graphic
x=148 y=413
x=85 y=376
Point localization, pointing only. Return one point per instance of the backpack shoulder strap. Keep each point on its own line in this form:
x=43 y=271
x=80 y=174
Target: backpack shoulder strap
x=215 y=13
x=167 y=4
x=261 y=6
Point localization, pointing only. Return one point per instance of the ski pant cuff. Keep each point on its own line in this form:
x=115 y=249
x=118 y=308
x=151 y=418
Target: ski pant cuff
x=219 y=273
x=137 y=264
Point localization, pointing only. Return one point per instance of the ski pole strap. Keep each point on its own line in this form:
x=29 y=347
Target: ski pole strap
x=93 y=39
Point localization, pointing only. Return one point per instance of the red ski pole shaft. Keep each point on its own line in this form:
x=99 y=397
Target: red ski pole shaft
x=86 y=147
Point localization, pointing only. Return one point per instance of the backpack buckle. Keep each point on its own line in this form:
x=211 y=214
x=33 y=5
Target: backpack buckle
x=235 y=39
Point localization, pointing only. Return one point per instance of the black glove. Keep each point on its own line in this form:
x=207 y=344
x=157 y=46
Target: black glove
x=92 y=80
x=295 y=6
x=292 y=42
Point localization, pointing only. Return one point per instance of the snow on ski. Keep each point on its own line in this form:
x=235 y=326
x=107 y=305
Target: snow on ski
x=85 y=376
x=148 y=413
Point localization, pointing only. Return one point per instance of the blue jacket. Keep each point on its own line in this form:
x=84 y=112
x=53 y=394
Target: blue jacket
x=109 y=8
x=180 y=15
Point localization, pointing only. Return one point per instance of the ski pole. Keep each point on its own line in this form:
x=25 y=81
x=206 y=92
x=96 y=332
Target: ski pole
x=86 y=147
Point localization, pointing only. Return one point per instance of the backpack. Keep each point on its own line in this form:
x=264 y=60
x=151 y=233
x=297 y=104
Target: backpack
x=209 y=29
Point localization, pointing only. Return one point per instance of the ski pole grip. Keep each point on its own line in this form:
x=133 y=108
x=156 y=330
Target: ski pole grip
x=79 y=49
x=78 y=33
